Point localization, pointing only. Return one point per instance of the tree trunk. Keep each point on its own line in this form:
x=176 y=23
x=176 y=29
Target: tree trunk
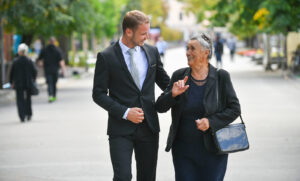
x=2 y=55
x=64 y=45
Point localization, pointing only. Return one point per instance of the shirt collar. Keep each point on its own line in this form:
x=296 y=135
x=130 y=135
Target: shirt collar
x=126 y=48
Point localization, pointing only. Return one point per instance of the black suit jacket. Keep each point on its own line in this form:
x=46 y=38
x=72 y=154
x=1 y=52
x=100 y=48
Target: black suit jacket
x=115 y=91
x=23 y=72
x=218 y=116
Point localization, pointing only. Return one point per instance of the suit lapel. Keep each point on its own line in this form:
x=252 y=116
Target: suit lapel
x=123 y=63
x=149 y=64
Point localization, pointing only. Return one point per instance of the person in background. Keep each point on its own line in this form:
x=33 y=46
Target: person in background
x=37 y=46
x=192 y=95
x=231 y=46
x=51 y=58
x=22 y=74
x=218 y=51
x=161 y=46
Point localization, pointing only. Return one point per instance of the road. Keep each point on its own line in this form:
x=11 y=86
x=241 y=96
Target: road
x=67 y=141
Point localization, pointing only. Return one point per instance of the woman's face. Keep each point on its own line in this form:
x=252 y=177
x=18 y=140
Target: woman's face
x=195 y=54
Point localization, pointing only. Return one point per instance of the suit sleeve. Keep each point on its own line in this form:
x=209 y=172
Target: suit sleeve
x=162 y=79
x=230 y=104
x=165 y=101
x=100 y=89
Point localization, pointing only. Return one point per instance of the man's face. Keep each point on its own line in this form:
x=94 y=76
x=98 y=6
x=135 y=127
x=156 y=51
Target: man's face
x=139 y=35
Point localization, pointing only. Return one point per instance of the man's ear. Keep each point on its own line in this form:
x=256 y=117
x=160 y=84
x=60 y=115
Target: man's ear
x=129 y=32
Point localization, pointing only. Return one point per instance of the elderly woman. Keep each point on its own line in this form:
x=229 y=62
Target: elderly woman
x=192 y=96
x=22 y=74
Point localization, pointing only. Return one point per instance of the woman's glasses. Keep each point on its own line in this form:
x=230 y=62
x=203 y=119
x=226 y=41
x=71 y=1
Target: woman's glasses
x=205 y=38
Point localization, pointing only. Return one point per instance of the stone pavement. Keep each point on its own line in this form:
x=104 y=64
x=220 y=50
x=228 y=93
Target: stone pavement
x=8 y=95
x=66 y=140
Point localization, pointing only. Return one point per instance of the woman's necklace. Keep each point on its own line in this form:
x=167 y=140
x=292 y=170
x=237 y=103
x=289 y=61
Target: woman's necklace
x=199 y=82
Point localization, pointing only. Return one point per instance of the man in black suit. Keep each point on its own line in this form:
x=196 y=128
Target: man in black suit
x=128 y=70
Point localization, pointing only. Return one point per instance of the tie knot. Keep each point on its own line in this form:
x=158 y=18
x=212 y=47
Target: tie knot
x=130 y=51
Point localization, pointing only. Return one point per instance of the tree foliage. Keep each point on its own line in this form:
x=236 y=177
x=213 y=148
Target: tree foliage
x=155 y=8
x=245 y=18
x=34 y=16
x=61 y=17
x=280 y=16
x=198 y=7
x=108 y=17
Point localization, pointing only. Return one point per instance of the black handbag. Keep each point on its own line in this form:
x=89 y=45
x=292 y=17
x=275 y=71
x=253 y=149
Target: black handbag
x=232 y=138
x=34 y=90
x=33 y=86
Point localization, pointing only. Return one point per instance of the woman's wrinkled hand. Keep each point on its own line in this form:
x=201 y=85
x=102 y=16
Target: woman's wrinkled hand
x=202 y=124
x=179 y=87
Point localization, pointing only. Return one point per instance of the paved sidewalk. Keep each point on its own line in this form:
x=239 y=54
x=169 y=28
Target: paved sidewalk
x=67 y=141
x=7 y=96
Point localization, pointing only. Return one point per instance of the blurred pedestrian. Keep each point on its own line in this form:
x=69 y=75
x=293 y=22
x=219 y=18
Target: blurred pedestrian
x=51 y=58
x=161 y=46
x=22 y=75
x=192 y=97
x=218 y=51
x=37 y=45
x=128 y=70
x=231 y=46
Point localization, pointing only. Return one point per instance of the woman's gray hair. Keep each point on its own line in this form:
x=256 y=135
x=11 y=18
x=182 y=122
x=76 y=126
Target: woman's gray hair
x=22 y=49
x=205 y=42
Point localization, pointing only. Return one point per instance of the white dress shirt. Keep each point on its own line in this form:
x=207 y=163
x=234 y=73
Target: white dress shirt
x=141 y=63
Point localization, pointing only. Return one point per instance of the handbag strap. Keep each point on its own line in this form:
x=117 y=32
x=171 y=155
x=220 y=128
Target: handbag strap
x=217 y=90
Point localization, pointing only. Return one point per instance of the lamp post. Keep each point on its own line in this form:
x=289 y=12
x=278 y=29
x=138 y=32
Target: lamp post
x=2 y=54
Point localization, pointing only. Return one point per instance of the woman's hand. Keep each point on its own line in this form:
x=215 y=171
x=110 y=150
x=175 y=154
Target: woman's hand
x=179 y=87
x=202 y=124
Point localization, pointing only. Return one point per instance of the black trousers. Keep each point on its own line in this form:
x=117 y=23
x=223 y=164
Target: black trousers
x=23 y=103
x=51 y=79
x=145 y=146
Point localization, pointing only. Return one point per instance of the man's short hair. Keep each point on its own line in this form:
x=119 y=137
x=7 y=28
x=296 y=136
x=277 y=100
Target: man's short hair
x=134 y=18
x=52 y=40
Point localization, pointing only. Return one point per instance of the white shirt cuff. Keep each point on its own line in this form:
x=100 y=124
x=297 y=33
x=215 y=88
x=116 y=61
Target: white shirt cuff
x=126 y=113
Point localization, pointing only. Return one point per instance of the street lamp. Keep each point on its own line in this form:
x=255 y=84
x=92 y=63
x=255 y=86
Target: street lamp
x=2 y=54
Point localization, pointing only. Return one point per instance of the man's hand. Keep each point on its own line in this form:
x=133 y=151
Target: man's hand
x=63 y=67
x=40 y=63
x=202 y=124
x=135 y=115
x=179 y=87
